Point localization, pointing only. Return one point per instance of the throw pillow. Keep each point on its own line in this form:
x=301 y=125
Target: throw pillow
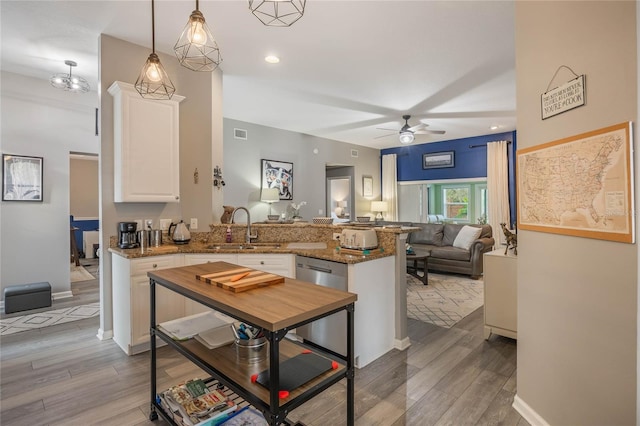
x=466 y=237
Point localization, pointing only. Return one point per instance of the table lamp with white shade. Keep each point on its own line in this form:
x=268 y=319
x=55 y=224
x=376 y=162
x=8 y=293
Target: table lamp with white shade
x=380 y=207
x=270 y=196
x=341 y=206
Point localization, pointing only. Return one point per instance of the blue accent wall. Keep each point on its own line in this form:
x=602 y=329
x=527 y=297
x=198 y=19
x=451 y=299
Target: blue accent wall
x=83 y=225
x=468 y=162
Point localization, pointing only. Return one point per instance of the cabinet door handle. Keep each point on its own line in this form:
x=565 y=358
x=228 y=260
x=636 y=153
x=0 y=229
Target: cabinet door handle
x=177 y=197
x=262 y=262
x=155 y=265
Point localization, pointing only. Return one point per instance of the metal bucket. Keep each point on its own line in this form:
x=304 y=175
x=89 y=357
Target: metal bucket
x=251 y=350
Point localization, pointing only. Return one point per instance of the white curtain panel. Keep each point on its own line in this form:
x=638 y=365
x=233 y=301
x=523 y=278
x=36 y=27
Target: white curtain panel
x=498 y=188
x=390 y=186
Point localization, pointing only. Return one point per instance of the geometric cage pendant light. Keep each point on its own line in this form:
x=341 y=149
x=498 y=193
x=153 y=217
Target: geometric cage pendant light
x=277 y=13
x=69 y=82
x=153 y=81
x=196 y=48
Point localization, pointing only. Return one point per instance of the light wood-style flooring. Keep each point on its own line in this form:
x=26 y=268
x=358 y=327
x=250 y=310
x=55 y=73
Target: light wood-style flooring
x=64 y=375
x=84 y=292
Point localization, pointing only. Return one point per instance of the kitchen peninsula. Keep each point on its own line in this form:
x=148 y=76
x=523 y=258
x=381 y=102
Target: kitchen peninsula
x=377 y=278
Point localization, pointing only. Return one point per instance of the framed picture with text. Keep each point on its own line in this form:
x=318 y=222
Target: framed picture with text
x=21 y=178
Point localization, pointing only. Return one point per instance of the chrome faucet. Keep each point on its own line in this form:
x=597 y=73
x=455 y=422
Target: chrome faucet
x=249 y=236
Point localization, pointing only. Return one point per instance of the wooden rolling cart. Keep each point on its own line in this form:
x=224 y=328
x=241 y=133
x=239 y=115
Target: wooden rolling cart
x=276 y=309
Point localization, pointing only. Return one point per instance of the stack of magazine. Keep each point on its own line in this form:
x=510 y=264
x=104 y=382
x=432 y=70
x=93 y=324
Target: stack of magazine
x=193 y=403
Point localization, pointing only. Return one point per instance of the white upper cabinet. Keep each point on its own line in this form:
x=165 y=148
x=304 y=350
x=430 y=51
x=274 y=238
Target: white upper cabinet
x=146 y=146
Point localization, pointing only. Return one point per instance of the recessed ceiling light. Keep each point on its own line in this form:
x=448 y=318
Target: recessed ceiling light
x=494 y=127
x=272 y=59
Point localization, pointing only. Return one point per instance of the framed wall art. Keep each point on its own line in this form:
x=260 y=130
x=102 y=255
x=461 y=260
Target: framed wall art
x=438 y=160
x=367 y=186
x=278 y=174
x=580 y=185
x=21 y=178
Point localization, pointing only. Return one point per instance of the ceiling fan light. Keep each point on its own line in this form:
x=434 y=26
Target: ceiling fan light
x=406 y=137
x=196 y=48
x=277 y=13
x=69 y=82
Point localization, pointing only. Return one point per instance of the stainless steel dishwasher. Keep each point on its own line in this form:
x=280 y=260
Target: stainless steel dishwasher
x=328 y=332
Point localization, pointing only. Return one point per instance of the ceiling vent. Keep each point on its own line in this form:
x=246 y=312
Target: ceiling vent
x=354 y=153
x=240 y=134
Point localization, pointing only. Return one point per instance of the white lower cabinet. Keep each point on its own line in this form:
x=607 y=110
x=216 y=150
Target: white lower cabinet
x=279 y=264
x=131 y=307
x=194 y=259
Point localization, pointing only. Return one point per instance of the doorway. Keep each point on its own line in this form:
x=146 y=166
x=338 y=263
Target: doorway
x=340 y=191
x=85 y=225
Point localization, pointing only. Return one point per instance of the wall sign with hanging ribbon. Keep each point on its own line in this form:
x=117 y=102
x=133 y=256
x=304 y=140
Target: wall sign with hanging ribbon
x=218 y=181
x=567 y=96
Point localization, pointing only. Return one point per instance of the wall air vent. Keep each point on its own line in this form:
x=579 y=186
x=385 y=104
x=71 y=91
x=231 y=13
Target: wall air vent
x=354 y=153
x=240 y=134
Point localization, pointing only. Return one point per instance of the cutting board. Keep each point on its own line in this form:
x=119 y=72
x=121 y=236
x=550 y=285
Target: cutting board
x=253 y=279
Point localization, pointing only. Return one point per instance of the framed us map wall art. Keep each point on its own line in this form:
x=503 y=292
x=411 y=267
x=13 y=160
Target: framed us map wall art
x=581 y=185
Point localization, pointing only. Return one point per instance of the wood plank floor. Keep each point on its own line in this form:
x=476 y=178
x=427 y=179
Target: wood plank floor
x=84 y=292
x=64 y=375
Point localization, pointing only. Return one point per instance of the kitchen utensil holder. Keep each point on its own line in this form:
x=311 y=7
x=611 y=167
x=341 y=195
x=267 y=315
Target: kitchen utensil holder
x=251 y=350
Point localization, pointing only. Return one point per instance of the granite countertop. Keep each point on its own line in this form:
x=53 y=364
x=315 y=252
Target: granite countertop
x=329 y=253
x=273 y=238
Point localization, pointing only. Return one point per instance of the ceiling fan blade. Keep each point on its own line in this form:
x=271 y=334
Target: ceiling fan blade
x=384 y=136
x=417 y=127
x=386 y=128
x=426 y=132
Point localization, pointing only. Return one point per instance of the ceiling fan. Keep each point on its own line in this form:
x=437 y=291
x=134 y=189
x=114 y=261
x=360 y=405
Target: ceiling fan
x=407 y=132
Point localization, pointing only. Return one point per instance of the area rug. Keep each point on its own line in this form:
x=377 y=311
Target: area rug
x=45 y=319
x=78 y=273
x=445 y=301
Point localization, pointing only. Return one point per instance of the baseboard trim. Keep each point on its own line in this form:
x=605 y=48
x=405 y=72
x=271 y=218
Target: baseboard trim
x=403 y=344
x=104 y=335
x=61 y=295
x=528 y=413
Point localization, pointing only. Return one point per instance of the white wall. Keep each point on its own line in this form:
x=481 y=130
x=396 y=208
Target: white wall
x=577 y=297
x=242 y=168
x=42 y=121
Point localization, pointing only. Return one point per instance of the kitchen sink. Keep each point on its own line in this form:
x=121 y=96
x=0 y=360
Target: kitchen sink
x=255 y=246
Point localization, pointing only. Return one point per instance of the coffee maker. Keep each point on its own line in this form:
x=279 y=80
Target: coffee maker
x=127 y=237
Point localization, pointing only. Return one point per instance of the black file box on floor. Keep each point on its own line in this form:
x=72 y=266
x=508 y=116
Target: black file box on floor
x=27 y=296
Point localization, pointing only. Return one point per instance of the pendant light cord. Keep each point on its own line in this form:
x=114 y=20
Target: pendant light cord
x=197 y=6
x=153 y=29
